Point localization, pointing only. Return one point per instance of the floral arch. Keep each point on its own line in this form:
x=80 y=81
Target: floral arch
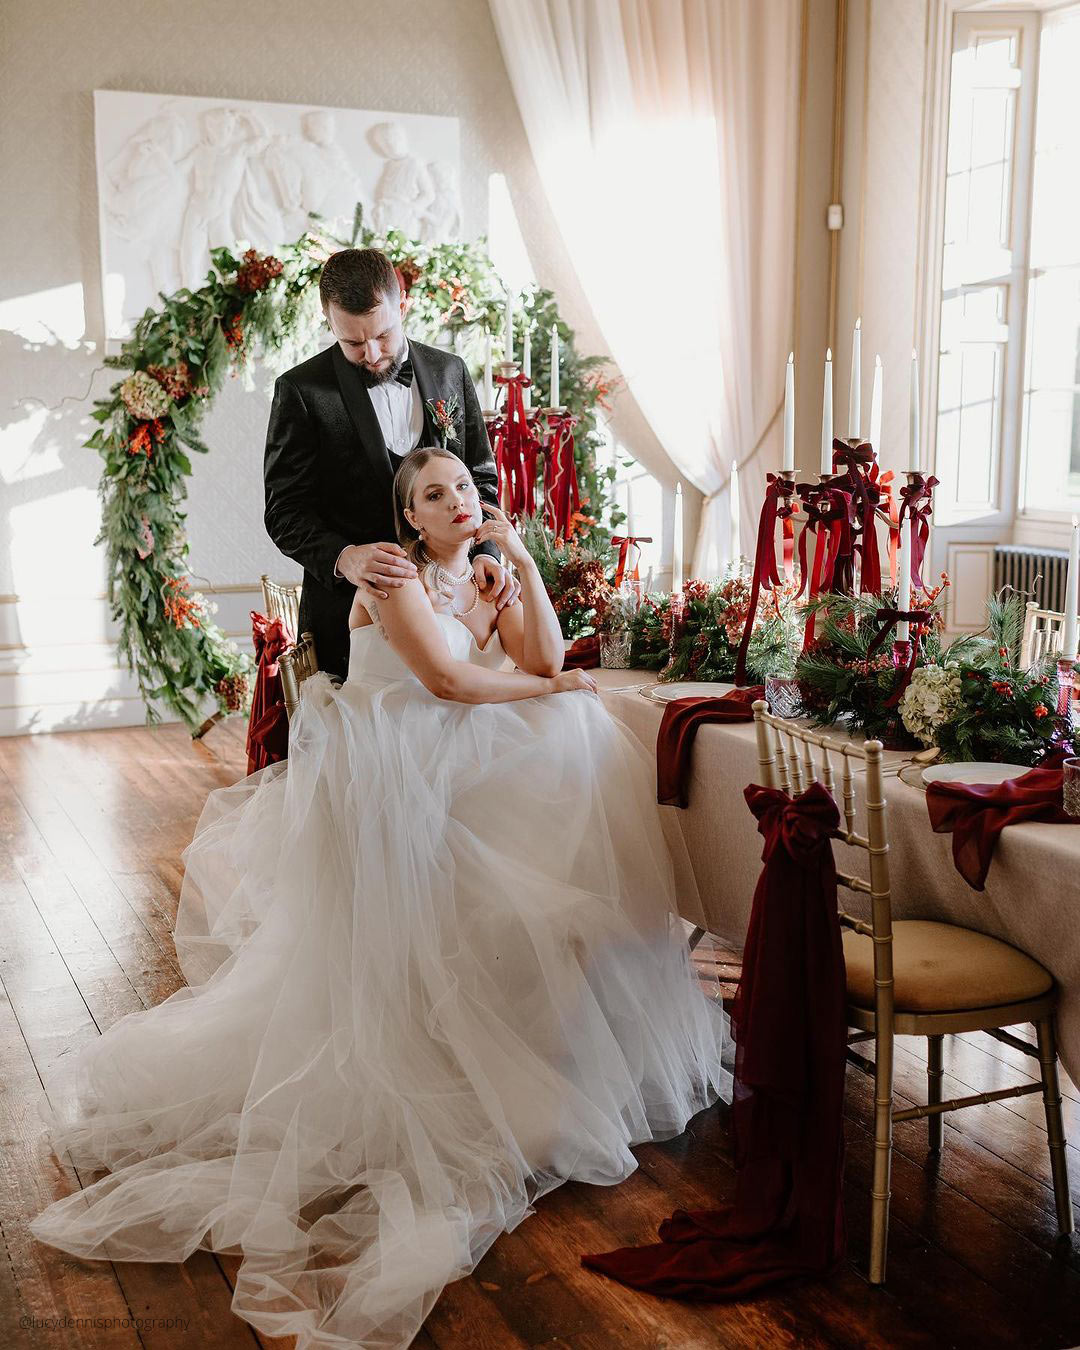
x=262 y=310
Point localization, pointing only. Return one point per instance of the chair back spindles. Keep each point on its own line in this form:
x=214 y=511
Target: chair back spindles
x=1042 y=635
x=826 y=770
x=281 y=600
x=783 y=781
x=848 y=791
x=296 y=665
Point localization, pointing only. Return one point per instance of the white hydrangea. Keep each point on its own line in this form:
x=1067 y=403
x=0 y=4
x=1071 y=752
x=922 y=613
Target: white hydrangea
x=930 y=700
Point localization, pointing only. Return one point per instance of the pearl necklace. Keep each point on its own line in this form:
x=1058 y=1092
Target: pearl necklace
x=461 y=613
x=443 y=579
x=441 y=574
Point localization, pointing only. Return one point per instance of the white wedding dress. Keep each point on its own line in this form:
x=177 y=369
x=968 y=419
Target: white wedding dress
x=434 y=971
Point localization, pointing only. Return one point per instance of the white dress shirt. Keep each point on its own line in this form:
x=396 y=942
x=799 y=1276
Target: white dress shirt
x=400 y=413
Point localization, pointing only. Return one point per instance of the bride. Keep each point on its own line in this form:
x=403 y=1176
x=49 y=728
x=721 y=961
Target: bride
x=434 y=970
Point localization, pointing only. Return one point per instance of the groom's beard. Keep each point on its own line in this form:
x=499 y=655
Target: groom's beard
x=372 y=378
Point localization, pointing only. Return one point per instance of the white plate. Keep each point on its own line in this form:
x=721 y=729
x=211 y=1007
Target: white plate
x=984 y=774
x=664 y=693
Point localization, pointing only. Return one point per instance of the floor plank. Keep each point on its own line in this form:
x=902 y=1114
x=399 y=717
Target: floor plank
x=92 y=826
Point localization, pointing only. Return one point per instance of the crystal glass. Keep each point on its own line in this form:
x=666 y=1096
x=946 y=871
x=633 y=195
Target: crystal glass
x=1070 y=786
x=783 y=696
x=615 y=649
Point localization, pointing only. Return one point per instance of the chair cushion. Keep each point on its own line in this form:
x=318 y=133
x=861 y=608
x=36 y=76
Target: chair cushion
x=938 y=967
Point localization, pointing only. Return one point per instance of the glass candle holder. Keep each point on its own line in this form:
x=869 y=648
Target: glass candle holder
x=615 y=649
x=783 y=695
x=1070 y=786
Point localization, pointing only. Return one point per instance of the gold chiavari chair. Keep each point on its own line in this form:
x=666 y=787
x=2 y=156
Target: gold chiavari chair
x=282 y=601
x=913 y=977
x=296 y=665
x=1042 y=635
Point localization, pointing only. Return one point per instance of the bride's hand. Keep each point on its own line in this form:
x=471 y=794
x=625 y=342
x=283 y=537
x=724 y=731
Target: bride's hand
x=500 y=529
x=569 y=680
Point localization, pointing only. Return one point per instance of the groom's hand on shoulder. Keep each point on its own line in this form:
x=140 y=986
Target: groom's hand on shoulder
x=375 y=568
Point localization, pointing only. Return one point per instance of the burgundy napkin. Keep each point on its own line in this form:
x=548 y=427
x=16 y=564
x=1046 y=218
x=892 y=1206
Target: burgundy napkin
x=584 y=654
x=675 y=739
x=790 y=1026
x=976 y=814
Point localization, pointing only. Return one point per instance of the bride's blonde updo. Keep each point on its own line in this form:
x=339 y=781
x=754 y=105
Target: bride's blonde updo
x=404 y=489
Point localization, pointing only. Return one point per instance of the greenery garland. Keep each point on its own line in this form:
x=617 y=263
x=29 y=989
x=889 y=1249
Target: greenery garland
x=254 y=308
x=840 y=677
x=704 y=644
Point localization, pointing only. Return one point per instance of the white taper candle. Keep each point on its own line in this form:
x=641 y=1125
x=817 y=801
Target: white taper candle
x=554 y=366
x=677 y=545
x=826 y=418
x=903 y=585
x=488 y=403
x=735 y=511
x=875 y=407
x=789 y=415
x=1072 y=596
x=855 y=389
x=526 y=365
x=914 y=443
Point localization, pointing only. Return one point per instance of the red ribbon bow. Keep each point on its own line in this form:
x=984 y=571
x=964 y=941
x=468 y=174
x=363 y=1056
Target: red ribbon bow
x=516 y=450
x=919 y=619
x=268 y=722
x=788 y=1217
x=561 y=494
x=917 y=501
x=860 y=478
x=777 y=506
x=830 y=519
x=624 y=542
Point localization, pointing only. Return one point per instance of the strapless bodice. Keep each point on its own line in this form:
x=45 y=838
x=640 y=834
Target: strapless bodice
x=372 y=660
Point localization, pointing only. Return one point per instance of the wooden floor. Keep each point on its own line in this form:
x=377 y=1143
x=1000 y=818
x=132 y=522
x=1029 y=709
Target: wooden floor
x=92 y=827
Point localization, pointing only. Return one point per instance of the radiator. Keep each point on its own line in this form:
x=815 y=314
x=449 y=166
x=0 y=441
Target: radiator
x=1039 y=574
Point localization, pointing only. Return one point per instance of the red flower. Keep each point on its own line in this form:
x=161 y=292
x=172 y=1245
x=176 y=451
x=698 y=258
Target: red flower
x=145 y=436
x=1002 y=687
x=233 y=328
x=408 y=274
x=180 y=609
x=1041 y=710
x=255 y=273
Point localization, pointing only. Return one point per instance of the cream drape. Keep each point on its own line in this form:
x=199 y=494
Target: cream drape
x=664 y=132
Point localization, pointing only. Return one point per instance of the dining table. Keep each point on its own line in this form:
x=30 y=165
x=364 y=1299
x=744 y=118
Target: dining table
x=1032 y=893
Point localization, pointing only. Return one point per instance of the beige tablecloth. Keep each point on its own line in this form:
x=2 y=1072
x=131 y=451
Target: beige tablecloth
x=1032 y=896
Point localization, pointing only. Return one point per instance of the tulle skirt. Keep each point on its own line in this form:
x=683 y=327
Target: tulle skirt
x=434 y=970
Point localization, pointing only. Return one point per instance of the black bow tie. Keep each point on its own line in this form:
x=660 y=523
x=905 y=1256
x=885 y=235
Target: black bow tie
x=405 y=374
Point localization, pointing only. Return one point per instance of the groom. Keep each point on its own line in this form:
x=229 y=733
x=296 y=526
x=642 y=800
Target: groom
x=339 y=426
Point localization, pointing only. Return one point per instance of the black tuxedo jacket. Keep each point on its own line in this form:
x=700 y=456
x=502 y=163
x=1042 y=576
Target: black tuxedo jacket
x=328 y=477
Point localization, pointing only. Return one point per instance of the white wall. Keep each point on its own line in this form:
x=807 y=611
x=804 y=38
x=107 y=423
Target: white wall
x=57 y=663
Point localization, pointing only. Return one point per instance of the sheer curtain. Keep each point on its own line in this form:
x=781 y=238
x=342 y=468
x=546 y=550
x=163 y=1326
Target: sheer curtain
x=665 y=135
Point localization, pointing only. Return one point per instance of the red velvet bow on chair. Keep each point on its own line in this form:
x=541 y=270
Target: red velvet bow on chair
x=790 y=1024
x=268 y=723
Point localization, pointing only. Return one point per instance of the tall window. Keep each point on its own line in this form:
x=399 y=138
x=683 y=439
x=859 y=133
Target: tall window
x=1051 y=416
x=1008 y=423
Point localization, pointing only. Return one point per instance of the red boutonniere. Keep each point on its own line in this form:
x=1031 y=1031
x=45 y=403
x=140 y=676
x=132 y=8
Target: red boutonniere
x=443 y=411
